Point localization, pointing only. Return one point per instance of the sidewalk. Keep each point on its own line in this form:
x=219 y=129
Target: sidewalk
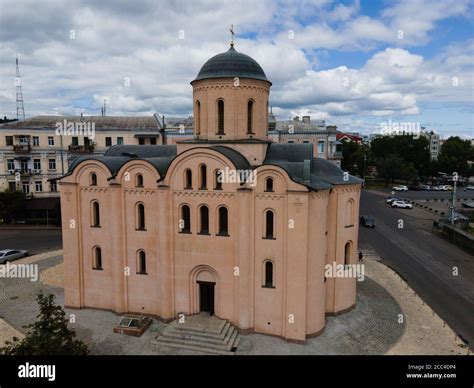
x=425 y=333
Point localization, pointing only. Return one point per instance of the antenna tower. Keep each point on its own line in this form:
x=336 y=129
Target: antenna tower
x=20 y=109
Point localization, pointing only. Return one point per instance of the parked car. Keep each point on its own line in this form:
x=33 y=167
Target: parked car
x=367 y=221
x=469 y=188
x=11 y=255
x=425 y=187
x=402 y=205
x=444 y=187
x=391 y=199
x=414 y=188
x=400 y=188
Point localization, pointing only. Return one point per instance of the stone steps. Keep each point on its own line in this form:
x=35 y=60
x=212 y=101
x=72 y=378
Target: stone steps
x=201 y=334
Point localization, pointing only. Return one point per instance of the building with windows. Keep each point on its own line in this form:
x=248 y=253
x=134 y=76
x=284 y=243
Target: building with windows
x=322 y=137
x=228 y=222
x=434 y=141
x=33 y=152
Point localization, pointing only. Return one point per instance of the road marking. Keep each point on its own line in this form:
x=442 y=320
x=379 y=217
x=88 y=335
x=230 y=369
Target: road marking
x=370 y=254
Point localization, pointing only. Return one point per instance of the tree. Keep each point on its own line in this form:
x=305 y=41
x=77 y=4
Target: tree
x=48 y=336
x=454 y=156
x=11 y=204
x=355 y=157
x=390 y=167
x=410 y=149
x=410 y=173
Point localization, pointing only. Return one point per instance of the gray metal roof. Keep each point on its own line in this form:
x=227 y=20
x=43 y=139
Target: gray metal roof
x=298 y=161
x=240 y=162
x=231 y=64
x=100 y=122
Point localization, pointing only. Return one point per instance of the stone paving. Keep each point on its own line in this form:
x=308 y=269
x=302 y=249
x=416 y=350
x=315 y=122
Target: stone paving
x=371 y=328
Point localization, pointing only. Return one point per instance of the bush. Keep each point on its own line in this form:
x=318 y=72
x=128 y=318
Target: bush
x=48 y=336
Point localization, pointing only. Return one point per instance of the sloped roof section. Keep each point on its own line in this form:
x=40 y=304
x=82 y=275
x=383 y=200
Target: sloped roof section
x=298 y=161
x=160 y=156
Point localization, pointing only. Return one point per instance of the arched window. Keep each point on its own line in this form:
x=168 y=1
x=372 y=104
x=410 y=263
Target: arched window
x=141 y=263
x=269 y=224
x=188 y=179
x=268 y=274
x=250 y=117
x=97 y=258
x=203 y=220
x=350 y=212
x=93 y=179
x=347 y=253
x=95 y=214
x=269 y=184
x=202 y=177
x=139 y=180
x=220 y=117
x=185 y=221
x=140 y=216
x=223 y=221
x=198 y=118
x=218 y=180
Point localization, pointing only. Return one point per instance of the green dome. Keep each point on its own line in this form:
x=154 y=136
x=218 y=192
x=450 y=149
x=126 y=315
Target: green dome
x=231 y=64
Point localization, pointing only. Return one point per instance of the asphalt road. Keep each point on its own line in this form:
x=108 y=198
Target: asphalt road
x=425 y=261
x=33 y=240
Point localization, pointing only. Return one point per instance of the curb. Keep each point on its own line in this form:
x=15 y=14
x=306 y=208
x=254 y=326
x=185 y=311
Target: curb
x=39 y=257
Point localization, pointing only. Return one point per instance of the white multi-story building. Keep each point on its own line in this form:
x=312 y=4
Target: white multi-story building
x=322 y=136
x=435 y=143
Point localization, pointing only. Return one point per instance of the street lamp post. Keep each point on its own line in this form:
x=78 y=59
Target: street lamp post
x=453 y=199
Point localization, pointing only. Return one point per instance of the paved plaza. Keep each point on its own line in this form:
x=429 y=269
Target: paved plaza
x=373 y=327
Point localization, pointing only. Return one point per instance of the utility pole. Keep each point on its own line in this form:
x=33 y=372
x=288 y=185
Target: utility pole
x=20 y=109
x=452 y=210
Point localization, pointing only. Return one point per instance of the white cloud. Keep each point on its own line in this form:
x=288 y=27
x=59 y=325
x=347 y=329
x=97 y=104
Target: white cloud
x=143 y=42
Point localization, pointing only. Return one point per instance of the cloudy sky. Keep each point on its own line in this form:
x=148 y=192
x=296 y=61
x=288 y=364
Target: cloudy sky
x=355 y=64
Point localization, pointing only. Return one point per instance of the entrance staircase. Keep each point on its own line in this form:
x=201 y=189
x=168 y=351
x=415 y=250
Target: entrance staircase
x=202 y=333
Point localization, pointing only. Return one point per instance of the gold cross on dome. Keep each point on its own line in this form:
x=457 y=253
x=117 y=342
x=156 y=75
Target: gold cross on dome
x=232 y=34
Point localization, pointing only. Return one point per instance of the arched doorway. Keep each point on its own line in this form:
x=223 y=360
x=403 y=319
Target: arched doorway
x=204 y=285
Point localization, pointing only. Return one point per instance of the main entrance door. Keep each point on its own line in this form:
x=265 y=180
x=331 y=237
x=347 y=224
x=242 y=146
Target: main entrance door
x=206 y=297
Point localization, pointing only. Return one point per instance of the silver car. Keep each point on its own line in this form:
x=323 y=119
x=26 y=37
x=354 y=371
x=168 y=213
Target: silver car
x=11 y=255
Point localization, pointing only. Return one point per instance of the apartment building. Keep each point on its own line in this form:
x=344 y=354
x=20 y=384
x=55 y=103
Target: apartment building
x=36 y=151
x=323 y=137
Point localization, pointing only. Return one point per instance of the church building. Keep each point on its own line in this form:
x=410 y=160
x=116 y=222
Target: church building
x=227 y=223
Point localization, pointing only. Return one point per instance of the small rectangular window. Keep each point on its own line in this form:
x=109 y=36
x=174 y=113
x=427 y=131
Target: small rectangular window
x=120 y=140
x=153 y=141
x=75 y=141
x=38 y=186
x=25 y=188
x=50 y=141
x=36 y=141
x=108 y=141
x=10 y=164
x=52 y=164
x=54 y=186
x=320 y=147
x=37 y=164
x=9 y=140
